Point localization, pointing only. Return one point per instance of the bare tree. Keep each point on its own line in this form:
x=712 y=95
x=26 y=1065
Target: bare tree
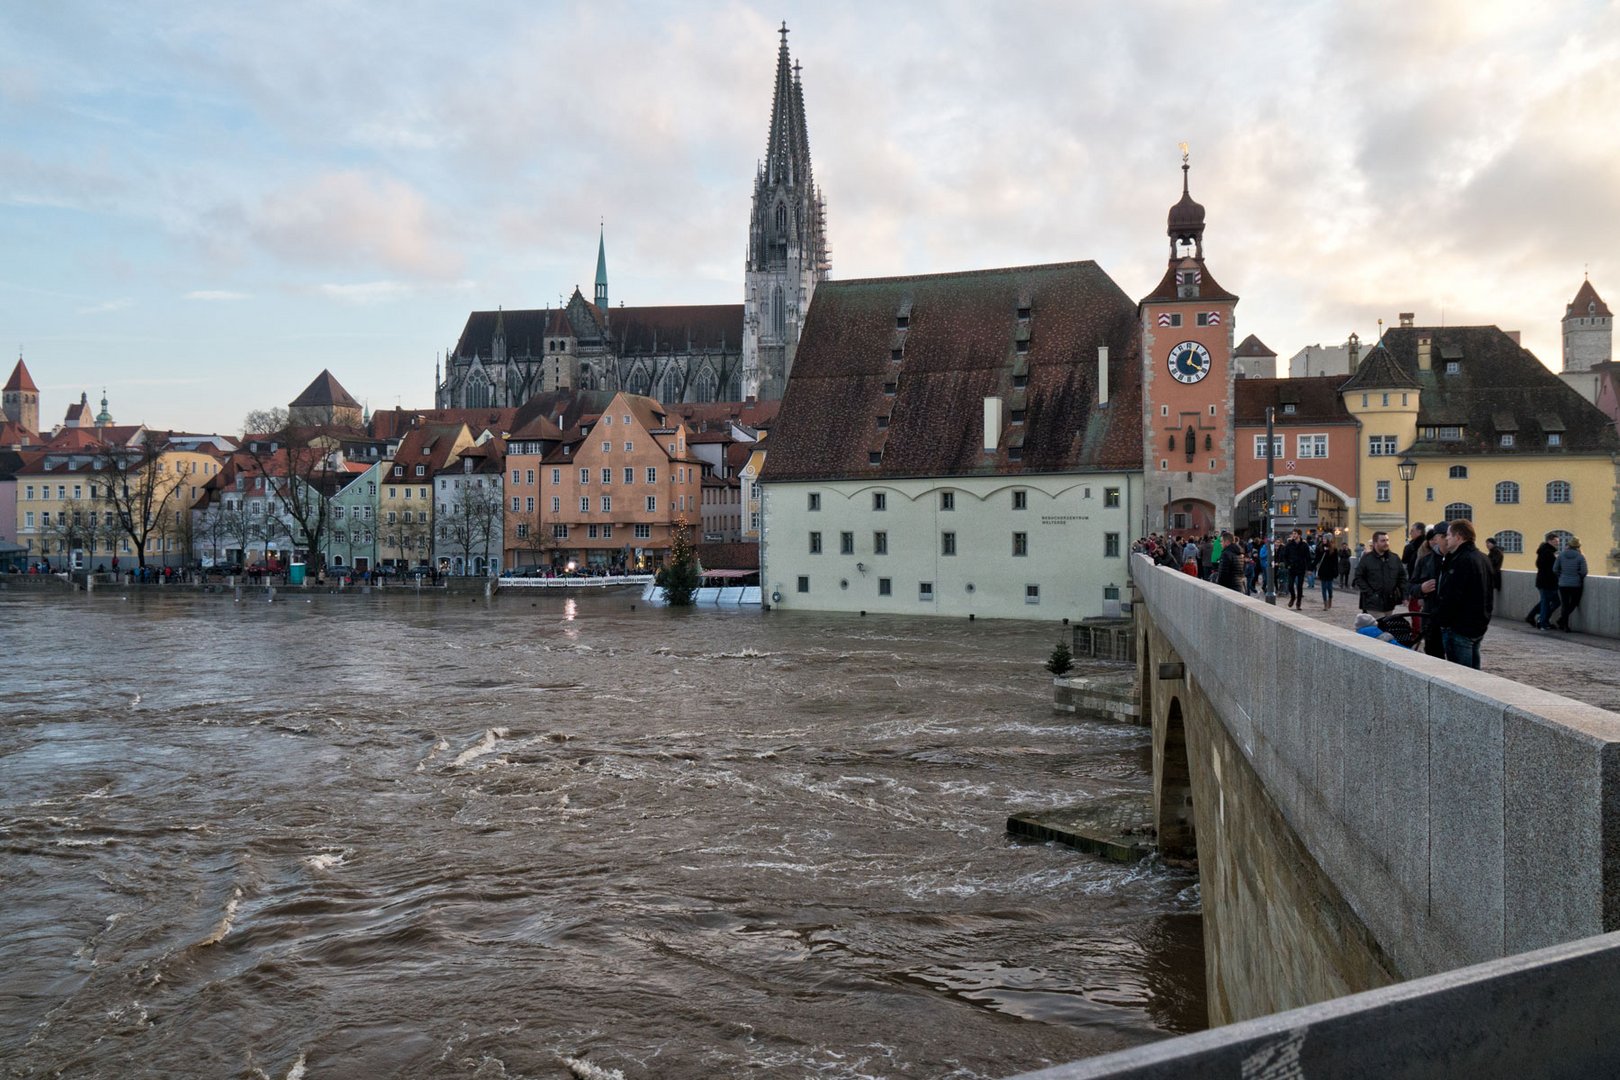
x=70 y=530
x=140 y=489
x=301 y=475
x=265 y=421
x=471 y=520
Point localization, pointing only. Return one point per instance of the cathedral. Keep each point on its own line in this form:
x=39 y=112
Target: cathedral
x=674 y=353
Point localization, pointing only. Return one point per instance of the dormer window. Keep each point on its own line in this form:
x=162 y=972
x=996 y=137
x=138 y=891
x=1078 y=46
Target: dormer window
x=1187 y=283
x=1554 y=439
x=1290 y=408
x=882 y=422
x=1021 y=346
x=1453 y=367
x=421 y=470
x=1507 y=441
x=1023 y=312
x=889 y=389
x=1020 y=381
x=901 y=322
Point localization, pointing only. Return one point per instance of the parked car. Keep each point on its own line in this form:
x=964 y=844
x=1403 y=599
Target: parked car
x=527 y=571
x=418 y=573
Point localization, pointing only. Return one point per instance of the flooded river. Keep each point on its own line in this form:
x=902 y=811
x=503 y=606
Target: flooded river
x=545 y=838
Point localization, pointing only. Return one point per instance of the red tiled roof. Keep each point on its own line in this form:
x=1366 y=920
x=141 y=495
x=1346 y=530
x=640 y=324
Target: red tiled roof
x=20 y=379
x=1586 y=305
x=1253 y=346
x=960 y=346
x=395 y=422
x=1316 y=400
x=325 y=390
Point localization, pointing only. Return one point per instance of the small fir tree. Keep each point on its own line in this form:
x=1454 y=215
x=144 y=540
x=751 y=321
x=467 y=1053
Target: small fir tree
x=680 y=578
x=1062 y=660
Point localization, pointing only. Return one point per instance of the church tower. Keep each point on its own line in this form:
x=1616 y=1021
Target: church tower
x=22 y=398
x=1187 y=384
x=787 y=250
x=601 y=269
x=1588 y=330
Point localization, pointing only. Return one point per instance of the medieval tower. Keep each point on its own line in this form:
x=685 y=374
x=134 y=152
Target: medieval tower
x=787 y=249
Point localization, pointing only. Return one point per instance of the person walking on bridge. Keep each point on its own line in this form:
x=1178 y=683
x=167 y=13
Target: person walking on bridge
x=1229 y=570
x=1465 y=595
x=1380 y=578
x=1296 y=556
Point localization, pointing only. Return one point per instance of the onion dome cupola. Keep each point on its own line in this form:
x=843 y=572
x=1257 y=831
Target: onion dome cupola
x=1186 y=225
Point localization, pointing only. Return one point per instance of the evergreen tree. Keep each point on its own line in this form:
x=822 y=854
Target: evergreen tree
x=1062 y=659
x=680 y=578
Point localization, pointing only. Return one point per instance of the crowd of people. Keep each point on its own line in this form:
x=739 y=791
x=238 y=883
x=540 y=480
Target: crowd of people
x=1437 y=595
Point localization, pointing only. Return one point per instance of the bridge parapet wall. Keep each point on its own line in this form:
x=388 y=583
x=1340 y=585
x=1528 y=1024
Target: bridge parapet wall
x=1461 y=816
x=1598 y=614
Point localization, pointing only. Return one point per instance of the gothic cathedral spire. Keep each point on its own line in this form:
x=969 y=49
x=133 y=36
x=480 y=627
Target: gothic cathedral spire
x=787 y=250
x=601 y=268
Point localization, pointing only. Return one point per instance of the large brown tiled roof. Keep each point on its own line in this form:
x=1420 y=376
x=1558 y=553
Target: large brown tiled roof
x=325 y=390
x=690 y=328
x=1379 y=370
x=395 y=422
x=1500 y=388
x=1315 y=400
x=20 y=379
x=754 y=414
x=1586 y=305
x=571 y=405
x=959 y=347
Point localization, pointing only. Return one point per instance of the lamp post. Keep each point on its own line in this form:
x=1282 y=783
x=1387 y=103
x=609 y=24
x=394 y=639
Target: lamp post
x=1408 y=469
x=1267 y=539
x=1293 y=504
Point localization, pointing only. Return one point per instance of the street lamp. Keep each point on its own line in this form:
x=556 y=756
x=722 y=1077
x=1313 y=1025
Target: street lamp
x=1408 y=469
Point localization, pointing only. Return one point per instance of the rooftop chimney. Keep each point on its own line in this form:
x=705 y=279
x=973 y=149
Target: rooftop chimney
x=1406 y=318
x=992 y=424
x=1423 y=353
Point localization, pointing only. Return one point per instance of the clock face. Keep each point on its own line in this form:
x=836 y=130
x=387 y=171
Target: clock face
x=1189 y=362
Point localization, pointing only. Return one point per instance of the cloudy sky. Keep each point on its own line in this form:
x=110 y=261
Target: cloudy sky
x=203 y=204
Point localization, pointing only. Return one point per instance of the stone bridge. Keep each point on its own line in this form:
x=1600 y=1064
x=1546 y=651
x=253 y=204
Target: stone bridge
x=1364 y=815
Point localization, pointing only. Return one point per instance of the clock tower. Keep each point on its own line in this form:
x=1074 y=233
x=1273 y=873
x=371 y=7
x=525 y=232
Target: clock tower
x=1188 y=456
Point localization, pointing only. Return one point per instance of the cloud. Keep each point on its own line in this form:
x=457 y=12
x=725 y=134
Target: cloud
x=354 y=217
x=123 y=303
x=366 y=293
x=215 y=295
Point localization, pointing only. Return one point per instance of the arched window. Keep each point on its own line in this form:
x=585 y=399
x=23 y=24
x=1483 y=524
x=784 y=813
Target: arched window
x=1172 y=441
x=1507 y=492
x=1459 y=472
x=1511 y=543
x=1558 y=491
x=706 y=385
x=1563 y=538
x=639 y=383
x=781 y=221
x=1454 y=511
x=778 y=314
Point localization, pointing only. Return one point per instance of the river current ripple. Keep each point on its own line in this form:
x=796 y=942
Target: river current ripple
x=543 y=837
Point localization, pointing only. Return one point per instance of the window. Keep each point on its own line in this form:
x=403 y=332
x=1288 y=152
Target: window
x=1381 y=446
x=1555 y=439
x=1511 y=543
x=889 y=388
x=421 y=470
x=1457 y=472
x=652 y=504
x=1507 y=492
x=590 y=533
x=1111 y=496
x=925 y=591
x=1383 y=492
x=1312 y=446
x=947 y=500
x=607 y=446
x=1558 y=491
x=1453 y=367
x=815 y=543
x=1175 y=317
x=804 y=583
x=880 y=543
x=846 y=543
x=1386 y=399
x=607 y=504
x=607 y=476
x=559 y=532
x=1428 y=494
x=947 y=543
x=584 y=504
x=643 y=532
x=1277 y=446
x=1111 y=545
x=885 y=586
x=1202 y=319
x=1458 y=510
x=629 y=447
x=517 y=503
x=522 y=531
x=607 y=532
x=1450 y=433
x=392 y=517
x=1288 y=410
x=1032 y=594
x=1506 y=441
x=880 y=500
x=630 y=475
x=1020 y=499
x=652 y=474
x=407 y=493
x=28 y=519
x=556 y=504
x=556 y=476
x=516 y=476
x=1020 y=544
x=31 y=491
x=815 y=500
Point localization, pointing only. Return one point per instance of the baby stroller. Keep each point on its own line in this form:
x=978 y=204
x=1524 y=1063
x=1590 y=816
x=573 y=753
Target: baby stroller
x=1398 y=625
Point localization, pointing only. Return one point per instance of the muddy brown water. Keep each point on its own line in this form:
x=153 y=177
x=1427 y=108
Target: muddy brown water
x=354 y=837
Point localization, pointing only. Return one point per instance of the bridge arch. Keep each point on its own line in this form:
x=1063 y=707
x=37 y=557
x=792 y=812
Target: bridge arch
x=1177 y=825
x=1297 y=478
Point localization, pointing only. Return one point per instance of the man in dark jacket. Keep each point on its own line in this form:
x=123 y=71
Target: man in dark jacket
x=1541 y=615
x=1380 y=578
x=1229 y=572
x=1414 y=540
x=1422 y=586
x=1296 y=555
x=1465 y=595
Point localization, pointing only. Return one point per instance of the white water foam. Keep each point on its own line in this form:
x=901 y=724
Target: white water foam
x=326 y=860
x=224 y=926
x=584 y=1070
x=297 y=1070
x=486 y=745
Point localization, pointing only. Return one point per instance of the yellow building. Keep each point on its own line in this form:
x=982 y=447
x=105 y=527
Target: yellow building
x=1494 y=436
x=749 y=478
x=87 y=504
x=405 y=492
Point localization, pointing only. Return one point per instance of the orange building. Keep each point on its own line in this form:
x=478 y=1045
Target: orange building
x=614 y=489
x=1314 y=450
